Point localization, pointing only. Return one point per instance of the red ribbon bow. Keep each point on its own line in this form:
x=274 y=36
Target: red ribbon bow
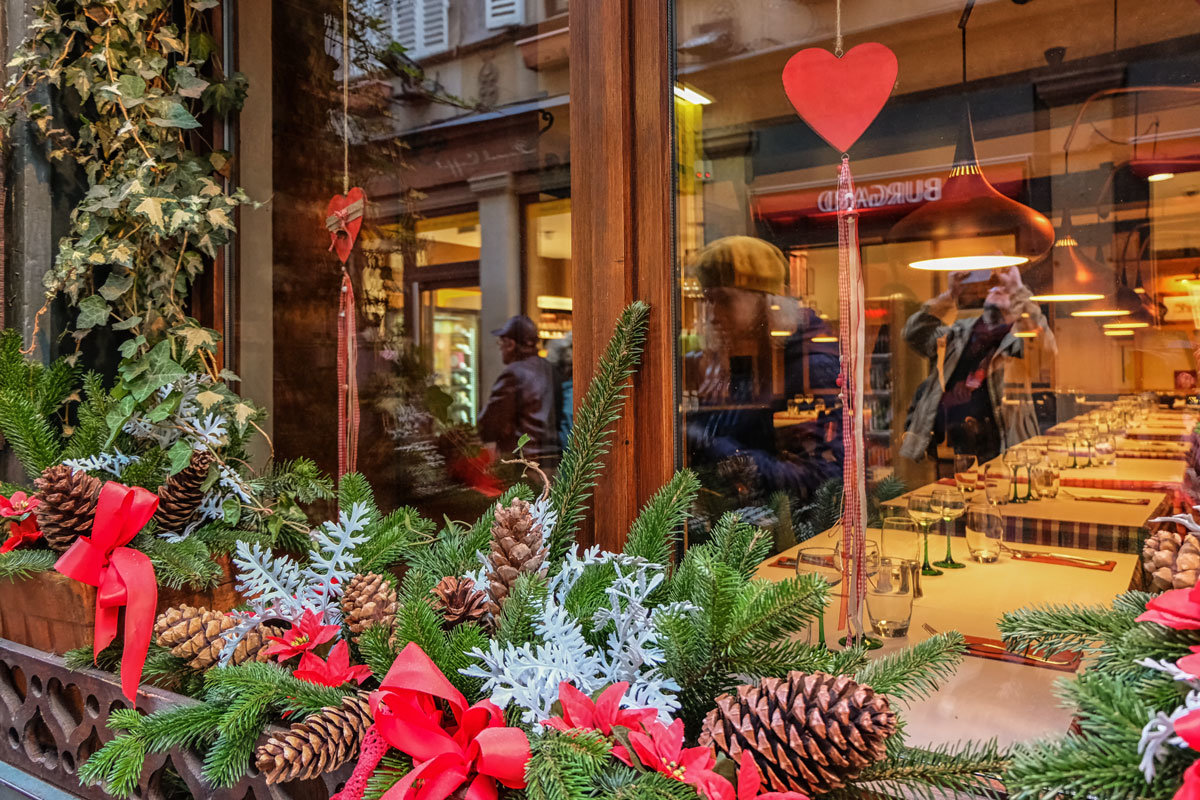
x=124 y=576
x=466 y=745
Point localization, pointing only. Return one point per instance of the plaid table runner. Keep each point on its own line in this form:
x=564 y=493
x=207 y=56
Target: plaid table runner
x=1067 y=533
x=1178 y=500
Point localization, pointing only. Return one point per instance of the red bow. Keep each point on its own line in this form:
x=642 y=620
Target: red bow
x=124 y=576
x=469 y=745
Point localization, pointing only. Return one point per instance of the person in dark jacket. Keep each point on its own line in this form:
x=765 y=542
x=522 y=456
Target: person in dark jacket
x=523 y=401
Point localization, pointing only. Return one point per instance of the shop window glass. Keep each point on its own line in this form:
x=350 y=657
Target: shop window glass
x=1082 y=116
x=452 y=128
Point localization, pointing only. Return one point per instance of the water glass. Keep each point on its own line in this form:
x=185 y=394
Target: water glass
x=985 y=532
x=822 y=561
x=966 y=473
x=1046 y=480
x=1105 y=449
x=997 y=486
x=898 y=540
x=1059 y=456
x=890 y=598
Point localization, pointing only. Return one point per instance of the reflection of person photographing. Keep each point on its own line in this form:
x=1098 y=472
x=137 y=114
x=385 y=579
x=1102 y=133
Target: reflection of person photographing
x=961 y=402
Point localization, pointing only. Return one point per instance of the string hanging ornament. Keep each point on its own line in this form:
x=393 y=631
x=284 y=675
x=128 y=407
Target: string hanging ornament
x=839 y=95
x=343 y=220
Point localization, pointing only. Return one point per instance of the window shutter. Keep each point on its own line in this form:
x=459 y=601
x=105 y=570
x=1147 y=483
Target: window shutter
x=434 y=32
x=502 y=13
x=404 y=26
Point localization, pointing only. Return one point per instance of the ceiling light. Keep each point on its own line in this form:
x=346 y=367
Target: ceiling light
x=781 y=333
x=1118 y=333
x=1072 y=276
x=1101 y=312
x=1160 y=176
x=690 y=95
x=973 y=226
x=824 y=339
x=1125 y=325
x=1025 y=334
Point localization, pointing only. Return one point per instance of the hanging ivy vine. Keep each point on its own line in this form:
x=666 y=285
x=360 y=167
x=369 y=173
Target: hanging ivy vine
x=130 y=82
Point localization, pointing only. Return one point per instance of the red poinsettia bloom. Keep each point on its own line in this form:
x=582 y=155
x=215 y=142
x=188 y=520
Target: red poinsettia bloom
x=1191 y=664
x=1190 y=790
x=21 y=532
x=603 y=715
x=305 y=636
x=661 y=749
x=334 y=671
x=20 y=503
x=1178 y=609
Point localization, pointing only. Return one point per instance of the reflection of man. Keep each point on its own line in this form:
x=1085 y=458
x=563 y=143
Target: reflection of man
x=961 y=402
x=522 y=401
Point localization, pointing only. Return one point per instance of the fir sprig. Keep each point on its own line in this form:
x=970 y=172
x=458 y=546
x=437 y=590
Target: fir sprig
x=917 y=671
x=932 y=773
x=16 y=565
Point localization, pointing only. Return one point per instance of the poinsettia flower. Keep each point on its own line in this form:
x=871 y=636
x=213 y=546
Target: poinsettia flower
x=661 y=749
x=303 y=637
x=1178 y=609
x=20 y=503
x=333 y=671
x=1191 y=664
x=602 y=715
x=21 y=532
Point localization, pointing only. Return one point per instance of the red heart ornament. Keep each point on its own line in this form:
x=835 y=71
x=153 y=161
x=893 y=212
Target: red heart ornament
x=344 y=219
x=840 y=97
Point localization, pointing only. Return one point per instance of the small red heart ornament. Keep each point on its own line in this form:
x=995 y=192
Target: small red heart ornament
x=840 y=97
x=343 y=220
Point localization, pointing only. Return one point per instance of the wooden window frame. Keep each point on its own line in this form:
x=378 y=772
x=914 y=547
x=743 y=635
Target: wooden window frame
x=622 y=188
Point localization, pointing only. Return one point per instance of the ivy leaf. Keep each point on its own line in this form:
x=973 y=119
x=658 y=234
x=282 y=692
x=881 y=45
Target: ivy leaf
x=116 y=285
x=152 y=208
x=170 y=43
x=174 y=115
x=201 y=46
x=180 y=455
x=204 y=5
x=208 y=398
x=187 y=82
x=93 y=312
x=164 y=409
x=161 y=370
x=231 y=511
x=118 y=416
x=132 y=87
x=242 y=412
x=219 y=218
x=126 y=324
x=226 y=96
x=195 y=337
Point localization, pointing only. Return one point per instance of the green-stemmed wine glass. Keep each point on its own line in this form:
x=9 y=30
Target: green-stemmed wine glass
x=951 y=504
x=920 y=509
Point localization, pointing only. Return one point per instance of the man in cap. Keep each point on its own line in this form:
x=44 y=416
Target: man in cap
x=523 y=399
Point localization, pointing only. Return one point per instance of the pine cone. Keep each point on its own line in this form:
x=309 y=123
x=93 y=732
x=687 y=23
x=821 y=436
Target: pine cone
x=458 y=601
x=66 y=504
x=368 y=599
x=321 y=743
x=180 y=496
x=516 y=548
x=198 y=636
x=808 y=733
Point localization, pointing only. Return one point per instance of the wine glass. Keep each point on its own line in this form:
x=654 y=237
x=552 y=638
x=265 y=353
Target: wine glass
x=1014 y=458
x=951 y=505
x=920 y=509
x=997 y=486
x=822 y=561
x=966 y=472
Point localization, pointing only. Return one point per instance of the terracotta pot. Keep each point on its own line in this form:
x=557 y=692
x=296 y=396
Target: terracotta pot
x=50 y=612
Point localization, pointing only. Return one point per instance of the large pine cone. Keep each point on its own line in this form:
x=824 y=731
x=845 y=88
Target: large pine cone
x=809 y=733
x=516 y=548
x=66 y=504
x=458 y=601
x=368 y=600
x=321 y=743
x=197 y=635
x=181 y=495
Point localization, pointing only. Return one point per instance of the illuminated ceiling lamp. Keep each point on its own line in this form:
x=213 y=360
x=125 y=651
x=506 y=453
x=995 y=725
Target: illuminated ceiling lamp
x=972 y=226
x=1073 y=278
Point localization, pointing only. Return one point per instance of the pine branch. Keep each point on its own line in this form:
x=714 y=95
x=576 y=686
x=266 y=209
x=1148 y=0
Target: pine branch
x=520 y=613
x=455 y=550
x=1058 y=628
x=389 y=772
x=36 y=444
x=931 y=774
x=378 y=648
x=390 y=537
x=563 y=766
x=653 y=535
x=915 y=672
x=187 y=563
x=17 y=565
x=589 y=440
x=354 y=489
x=1077 y=766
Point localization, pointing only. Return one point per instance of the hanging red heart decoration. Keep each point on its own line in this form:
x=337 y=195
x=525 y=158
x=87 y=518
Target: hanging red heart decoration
x=840 y=97
x=344 y=219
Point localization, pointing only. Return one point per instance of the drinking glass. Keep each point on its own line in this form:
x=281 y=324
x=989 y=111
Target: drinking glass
x=966 y=473
x=997 y=486
x=1045 y=480
x=951 y=504
x=898 y=541
x=1059 y=456
x=1087 y=437
x=822 y=561
x=920 y=508
x=1014 y=458
x=1105 y=449
x=856 y=629
x=890 y=599
x=985 y=532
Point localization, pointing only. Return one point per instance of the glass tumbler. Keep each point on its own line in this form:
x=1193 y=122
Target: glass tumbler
x=890 y=599
x=1046 y=481
x=822 y=561
x=966 y=473
x=985 y=532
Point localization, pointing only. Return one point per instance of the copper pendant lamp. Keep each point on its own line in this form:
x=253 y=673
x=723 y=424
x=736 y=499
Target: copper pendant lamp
x=1073 y=277
x=973 y=226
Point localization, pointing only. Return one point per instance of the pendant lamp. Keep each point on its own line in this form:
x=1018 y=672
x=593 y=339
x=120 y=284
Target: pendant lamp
x=1073 y=277
x=972 y=226
x=1121 y=305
